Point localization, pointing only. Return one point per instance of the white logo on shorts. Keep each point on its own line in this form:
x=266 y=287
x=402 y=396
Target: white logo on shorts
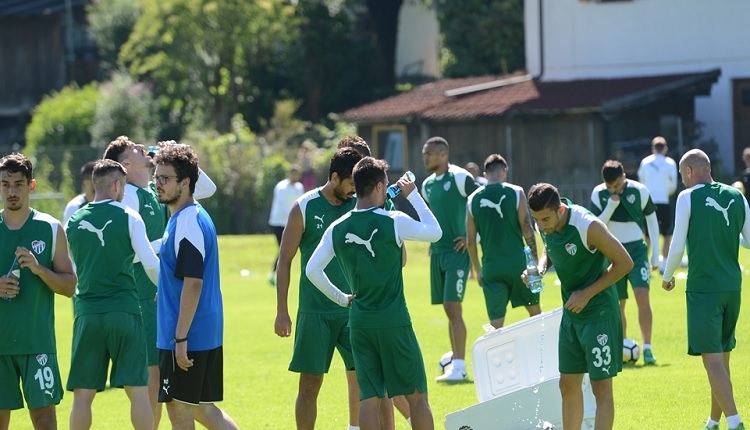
x=41 y=359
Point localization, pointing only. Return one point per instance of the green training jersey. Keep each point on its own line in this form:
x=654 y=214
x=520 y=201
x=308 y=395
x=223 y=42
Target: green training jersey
x=635 y=203
x=154 y=215
x=369 y=254
x=100 y=245
x=28 y=320
x=578 y=266
x=494 y=208
x=446 y=195
x=317 y=214
x=717 y=216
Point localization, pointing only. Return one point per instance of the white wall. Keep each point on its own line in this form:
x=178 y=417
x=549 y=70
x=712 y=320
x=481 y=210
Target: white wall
x=417 y=39
x=586 y=39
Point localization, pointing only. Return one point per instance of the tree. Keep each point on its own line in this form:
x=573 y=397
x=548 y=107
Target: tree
x=482 y=36
x=110 y=25
x=206 y=58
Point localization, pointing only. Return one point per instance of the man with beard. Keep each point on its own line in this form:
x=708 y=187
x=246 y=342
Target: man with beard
x=317 y=317
x=190 y=314
x=27 y=312
x=140 y=195
x=446 y=191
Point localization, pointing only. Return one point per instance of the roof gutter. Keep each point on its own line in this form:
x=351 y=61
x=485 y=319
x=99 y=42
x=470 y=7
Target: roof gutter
x=541 y=41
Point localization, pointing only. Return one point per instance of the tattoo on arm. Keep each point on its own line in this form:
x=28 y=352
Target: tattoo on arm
x=529 y=235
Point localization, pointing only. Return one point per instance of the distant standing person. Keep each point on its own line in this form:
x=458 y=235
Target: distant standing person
x=285 y=193
x=473 y=168
x=499 y=214
x=305 y=162
x=367 y=245
x=87 y=194
x=446 y=191
x=190 y=313
x=746 y=173
x=104 y=238
x=578 y=244
x=28 y=349
x=658 y=173
x=625 y=206
x=710 y=218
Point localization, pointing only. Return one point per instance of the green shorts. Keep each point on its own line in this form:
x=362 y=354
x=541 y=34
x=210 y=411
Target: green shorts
x=499 y=290
x=640 y=275
x=711 y=320
x=148 y=311
x=448 y=274
x=99 y=338
x=594 y=347
x=316 y=337
x=388 y=361
x=40 y=380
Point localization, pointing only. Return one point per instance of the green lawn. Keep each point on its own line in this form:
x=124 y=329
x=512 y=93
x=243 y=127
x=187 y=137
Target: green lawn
x=260 y=392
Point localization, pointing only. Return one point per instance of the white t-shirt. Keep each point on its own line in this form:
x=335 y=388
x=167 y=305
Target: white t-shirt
x=284 y=196
x=659 y=174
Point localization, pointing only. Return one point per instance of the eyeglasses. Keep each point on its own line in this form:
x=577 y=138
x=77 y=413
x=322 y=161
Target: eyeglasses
x=163 y=179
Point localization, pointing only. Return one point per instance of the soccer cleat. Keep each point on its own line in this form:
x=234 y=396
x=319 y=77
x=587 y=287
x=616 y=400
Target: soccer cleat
x=648 y=357
x=272 y=279
x=714 y=427
x=739 y=427
x=452 y=374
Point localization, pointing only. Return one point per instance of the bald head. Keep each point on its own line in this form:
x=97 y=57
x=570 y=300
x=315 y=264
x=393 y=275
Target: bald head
x=695 y=168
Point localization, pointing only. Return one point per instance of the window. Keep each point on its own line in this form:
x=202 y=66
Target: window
x=390 y=144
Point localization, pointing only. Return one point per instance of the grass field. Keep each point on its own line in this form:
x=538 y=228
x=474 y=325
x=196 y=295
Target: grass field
x=260 y=392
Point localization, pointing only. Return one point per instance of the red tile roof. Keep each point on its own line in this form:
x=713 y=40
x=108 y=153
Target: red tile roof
x=429 y=101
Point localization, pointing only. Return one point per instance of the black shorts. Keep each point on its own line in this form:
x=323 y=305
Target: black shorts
x=665 y=216
x=202 y=383
x=277 y=231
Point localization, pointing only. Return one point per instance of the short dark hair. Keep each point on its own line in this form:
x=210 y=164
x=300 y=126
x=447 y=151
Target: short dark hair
x=543 y=196
x=87 y=170
x=356 y=142
x=105 y=172
x=342 y=163
x=117 y=147
x=611 y=170
x=659 y=143
x=495 y=162
x=367 y=173
x=17 y=162
x=437 y=140
x=184 y=160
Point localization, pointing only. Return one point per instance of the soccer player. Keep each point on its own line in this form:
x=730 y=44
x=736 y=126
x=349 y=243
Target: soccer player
x=499 y=214
x=658 y=173
x=140 y=195
x=104 y=237
x=28 y=351
x=367 y=243
x=82 y=199
x=578 y=244
x=190 y=313
x=710 y=218
x=446 y=191
x=321 y=324
x=624 y=205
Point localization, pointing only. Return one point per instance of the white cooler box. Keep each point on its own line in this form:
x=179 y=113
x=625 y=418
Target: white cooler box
x=516 y=379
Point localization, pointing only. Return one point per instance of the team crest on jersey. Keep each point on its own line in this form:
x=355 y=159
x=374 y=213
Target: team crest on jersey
x=460 y=273
x=447 y=186
x=630 y=199
x=602 y=339
x=571 y=248
x=38 y=246
x=41 y=359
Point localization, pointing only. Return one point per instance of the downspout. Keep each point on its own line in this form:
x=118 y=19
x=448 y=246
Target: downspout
x=541 y=41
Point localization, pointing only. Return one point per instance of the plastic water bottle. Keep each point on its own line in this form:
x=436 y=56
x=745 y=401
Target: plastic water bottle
x=13 y=273
x=395 y=190
x=532 y=271
x=152 y=150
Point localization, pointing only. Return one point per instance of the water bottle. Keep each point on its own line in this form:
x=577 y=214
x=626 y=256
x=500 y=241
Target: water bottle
x=532 y=271
x=395 y=190
x=13 y=273
x=152 y=150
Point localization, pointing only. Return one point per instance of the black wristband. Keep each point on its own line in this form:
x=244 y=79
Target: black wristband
x=175 y=340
